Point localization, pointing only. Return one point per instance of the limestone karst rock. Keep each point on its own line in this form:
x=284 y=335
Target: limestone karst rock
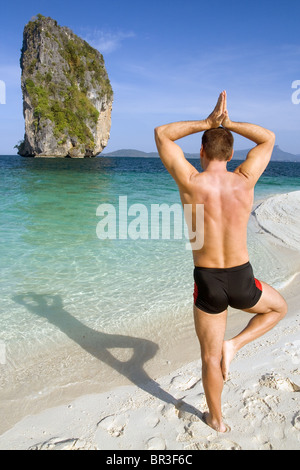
x=67 y=95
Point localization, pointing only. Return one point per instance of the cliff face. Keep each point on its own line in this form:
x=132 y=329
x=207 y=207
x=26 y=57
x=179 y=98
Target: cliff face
x=67 y=96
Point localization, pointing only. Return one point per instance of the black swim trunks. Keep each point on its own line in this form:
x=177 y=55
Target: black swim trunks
x=216 y=289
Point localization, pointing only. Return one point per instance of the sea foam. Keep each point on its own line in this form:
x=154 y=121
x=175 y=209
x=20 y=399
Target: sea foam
x=280 y=216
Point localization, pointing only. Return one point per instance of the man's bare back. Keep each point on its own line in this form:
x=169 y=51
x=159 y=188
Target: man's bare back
x=227 y=205
x=223 y=275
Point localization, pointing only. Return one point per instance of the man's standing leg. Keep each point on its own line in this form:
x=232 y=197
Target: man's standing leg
x=210 y=329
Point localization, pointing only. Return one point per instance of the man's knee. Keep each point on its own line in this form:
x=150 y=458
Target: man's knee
x=277 y=304
x=211 y=360
x=282 y=308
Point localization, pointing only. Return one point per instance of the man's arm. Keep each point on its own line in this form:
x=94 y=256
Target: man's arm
x=258 y=158
x=171 y=154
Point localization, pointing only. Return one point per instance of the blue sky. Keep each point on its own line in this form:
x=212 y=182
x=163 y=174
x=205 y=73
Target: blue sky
x=168 y=60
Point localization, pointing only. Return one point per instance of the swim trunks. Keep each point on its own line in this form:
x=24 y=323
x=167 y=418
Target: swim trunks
x=216 y=289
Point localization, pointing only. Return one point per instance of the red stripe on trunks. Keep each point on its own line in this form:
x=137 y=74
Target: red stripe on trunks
x=195 y=293
x=258 y=284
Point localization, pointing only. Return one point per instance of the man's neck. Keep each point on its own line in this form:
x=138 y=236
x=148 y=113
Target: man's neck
x=216 y=166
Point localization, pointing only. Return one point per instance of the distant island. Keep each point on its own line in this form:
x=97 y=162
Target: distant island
x=277 y=156
x=67 y=95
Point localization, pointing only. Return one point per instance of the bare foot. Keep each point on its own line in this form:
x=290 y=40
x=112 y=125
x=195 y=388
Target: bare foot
x=228 y=354
x=219 y=427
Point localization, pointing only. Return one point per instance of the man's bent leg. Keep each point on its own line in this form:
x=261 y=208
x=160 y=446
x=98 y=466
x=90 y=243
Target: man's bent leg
x=210 y=329
x=269 y=310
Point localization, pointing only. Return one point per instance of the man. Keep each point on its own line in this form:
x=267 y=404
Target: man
x=223 y=275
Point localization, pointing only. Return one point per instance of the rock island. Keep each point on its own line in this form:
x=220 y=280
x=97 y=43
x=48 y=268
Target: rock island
x=67 y=95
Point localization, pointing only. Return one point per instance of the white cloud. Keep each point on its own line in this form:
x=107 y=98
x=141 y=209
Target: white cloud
x=107 y=41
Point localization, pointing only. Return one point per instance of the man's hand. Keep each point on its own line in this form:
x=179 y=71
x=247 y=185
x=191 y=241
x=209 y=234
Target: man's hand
x=219 y=114
x=226 y=121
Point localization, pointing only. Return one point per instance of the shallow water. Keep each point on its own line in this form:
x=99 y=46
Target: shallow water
x=49 y=245
x=61 y=285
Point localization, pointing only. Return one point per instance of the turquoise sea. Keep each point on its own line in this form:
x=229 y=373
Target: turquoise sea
x=59 y=281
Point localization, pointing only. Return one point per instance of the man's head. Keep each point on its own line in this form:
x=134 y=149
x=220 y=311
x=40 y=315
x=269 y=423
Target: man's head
x=217 y=144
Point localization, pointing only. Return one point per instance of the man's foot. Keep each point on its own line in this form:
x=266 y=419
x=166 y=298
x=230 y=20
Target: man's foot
x=228 y=354
x=219 y=427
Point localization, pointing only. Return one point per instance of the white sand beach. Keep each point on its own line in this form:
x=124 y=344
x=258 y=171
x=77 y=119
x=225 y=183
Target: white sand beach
x=261 y=400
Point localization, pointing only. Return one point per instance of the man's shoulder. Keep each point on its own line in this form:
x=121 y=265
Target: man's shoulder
x=205 y=182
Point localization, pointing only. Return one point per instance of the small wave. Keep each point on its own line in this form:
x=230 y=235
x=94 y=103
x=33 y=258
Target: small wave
x=280 y=217
x=285 y=283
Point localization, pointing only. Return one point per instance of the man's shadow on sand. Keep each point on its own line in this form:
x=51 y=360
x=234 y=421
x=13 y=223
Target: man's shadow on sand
x=98 y=344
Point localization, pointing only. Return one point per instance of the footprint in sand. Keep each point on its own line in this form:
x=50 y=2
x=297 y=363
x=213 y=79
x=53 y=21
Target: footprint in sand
x=67 y=444
x=185 y=382
x=278 y=383
x=223 y=444
x=152 y=420
x=296 y=421
x=217 y=444
x=113 y=424
x=293 y=349
x=156 y=443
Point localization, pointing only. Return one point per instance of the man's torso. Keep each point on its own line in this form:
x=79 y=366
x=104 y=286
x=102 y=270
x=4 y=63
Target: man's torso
x=227 y=204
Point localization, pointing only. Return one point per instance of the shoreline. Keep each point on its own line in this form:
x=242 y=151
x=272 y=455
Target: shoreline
x=260 y=403
x=169 y=364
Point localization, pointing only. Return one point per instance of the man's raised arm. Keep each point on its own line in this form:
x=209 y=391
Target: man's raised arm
x=258 y=158
x=171 y=154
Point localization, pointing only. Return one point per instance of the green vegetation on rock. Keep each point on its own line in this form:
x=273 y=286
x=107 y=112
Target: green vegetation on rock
x=68 y=114
x=65 y=80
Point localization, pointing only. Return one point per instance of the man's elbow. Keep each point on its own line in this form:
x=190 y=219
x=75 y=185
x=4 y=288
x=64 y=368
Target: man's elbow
x=272 y=137
x=158 y=132
x=269 y=138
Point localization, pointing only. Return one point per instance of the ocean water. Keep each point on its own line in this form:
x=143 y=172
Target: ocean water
x=60 y=281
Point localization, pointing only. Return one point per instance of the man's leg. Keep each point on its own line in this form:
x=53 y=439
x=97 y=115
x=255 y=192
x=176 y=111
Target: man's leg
x=269 y=310
x=210 y=329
